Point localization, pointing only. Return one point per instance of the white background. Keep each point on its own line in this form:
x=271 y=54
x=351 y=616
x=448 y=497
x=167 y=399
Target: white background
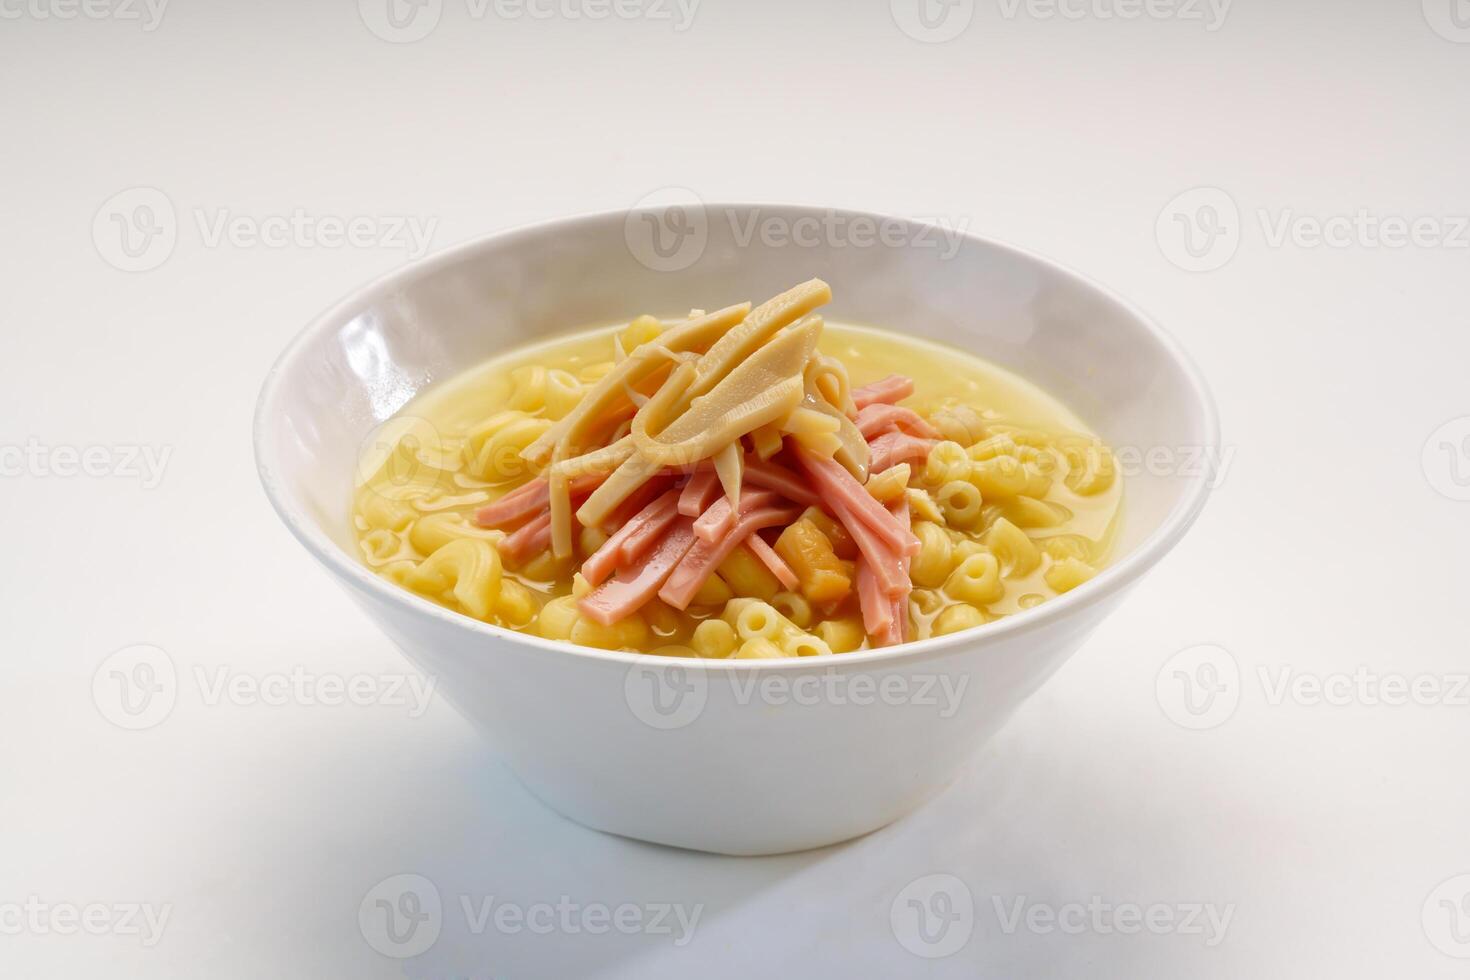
x=1323 y=829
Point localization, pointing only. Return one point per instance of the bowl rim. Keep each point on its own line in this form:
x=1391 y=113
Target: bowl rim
x=1110 y=580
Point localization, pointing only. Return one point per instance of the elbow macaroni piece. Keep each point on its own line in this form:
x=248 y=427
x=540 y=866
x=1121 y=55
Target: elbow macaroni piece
x=960 y=616
x=467 y=571
x=1091 y=468
x=976 y=580
x=379 y=512
x=959 y=424
x=631 y=633
x=1031 y=512
x=759 y=648
x=548 y=393
x=889 y=485
x=804 y=645
x=758 y=620
x=960 y=502
x=379 y=547
x=922 y=506
x=842 y=635
x=794 y=607
x=946 y=462
x=640 y=332
x=433 y=531
x=1017 y=553
x=556 y=619
x=1001 y=476
x=1061 y=546
x=936 y=557
x=1001 y=445
x=715 y=639
x=493 y=448
x=515 y=606
x=1067 y=574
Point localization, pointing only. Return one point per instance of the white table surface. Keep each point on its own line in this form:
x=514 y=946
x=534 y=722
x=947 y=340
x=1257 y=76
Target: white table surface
x=1331 y=835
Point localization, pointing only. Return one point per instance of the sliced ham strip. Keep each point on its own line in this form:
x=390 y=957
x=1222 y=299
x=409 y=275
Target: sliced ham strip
x=529 y=498
x=704 y=557
x=898 y=632
x=885 y=564
x=632 y=587
x=529 y=539
x=773 y=561
x=516 y=505
x=774 y=476
x=701 y=490
x=892 y=448
x=885 y=616
x=640 y=498
x=638 y=544
x=839 y=488
x=877 y=607
x=719 y=517
x=891 y=389
x=631 y=540
x=878 y=418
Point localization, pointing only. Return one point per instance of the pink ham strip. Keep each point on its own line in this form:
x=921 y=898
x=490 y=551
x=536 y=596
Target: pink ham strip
x=877 y=607
x=891 y=389
x=774 y=476
x=892 y=448
x=515 y=505
x=884 y=563
x=639 y=499
x=529 y=539
x=878 y=418
x=885 y=616
x=699 y=493
x=634 y=586
x=839 y=488
x=719 y=518
x=773 y=561
x=631 y=540
x=898 y=632
x=702 y=560
x=527 y=499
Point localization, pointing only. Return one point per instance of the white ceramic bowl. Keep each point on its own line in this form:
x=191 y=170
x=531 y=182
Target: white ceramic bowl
x=739 y=757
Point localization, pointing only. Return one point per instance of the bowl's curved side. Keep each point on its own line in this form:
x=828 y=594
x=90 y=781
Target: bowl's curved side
x=748 y=762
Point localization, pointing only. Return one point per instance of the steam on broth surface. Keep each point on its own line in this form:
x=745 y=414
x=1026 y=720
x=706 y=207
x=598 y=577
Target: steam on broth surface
x=745 y=482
